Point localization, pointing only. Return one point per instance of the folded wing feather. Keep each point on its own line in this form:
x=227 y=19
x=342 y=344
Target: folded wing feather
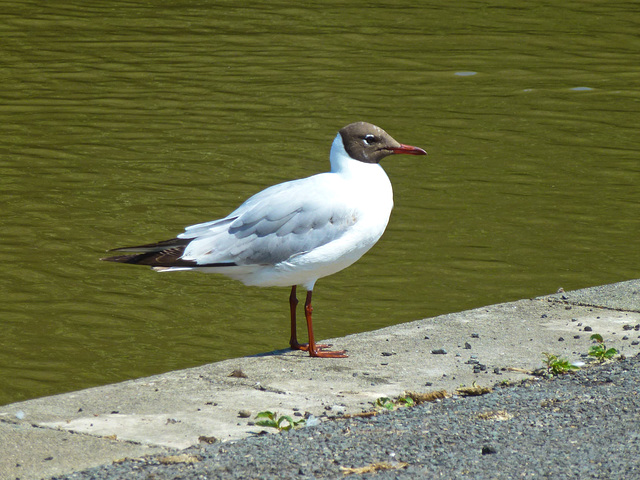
x=270 y=227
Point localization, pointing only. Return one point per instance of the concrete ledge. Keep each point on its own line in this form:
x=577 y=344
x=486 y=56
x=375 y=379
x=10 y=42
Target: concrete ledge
x=74 y=431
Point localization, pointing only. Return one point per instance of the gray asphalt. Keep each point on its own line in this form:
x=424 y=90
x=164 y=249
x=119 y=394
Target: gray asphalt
x=579 y=425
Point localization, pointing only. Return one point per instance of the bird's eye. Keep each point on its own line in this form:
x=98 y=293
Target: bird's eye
x=369 y=139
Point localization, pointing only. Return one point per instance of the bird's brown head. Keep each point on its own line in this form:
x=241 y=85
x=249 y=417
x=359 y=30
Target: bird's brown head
x=370 y=144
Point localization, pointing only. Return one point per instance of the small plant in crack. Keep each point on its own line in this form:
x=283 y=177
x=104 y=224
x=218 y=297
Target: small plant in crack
x=600 y=350
x=389 y=404
x=280 y=423
x=557 y=365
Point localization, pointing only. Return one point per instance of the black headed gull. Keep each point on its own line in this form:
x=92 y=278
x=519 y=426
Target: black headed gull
x=296 y=232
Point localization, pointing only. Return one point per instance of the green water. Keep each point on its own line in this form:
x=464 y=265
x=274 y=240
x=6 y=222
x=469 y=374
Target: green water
x=122 y=122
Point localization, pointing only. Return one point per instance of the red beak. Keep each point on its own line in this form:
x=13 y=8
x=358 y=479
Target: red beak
x=409 y=150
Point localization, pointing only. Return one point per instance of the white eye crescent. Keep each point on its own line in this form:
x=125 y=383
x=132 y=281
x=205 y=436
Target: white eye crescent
x=369 y=139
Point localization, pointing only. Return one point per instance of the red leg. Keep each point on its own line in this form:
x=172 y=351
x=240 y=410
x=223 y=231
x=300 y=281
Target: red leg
x=293 y=303
x=293 y=341
x=316 y=350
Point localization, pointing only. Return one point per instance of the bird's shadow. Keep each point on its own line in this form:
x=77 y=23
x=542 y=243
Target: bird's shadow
x=272 y=353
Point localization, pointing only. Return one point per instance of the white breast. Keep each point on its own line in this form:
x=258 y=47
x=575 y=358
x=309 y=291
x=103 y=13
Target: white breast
x=366 y=190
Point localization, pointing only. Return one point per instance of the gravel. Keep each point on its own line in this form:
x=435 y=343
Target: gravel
x=581 y=425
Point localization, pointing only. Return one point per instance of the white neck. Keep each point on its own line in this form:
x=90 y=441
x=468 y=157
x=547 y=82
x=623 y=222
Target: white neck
x=370 y=176
x=343 y=164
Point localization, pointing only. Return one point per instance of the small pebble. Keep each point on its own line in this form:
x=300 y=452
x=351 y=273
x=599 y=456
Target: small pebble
x=439 y=351
x=237 y=373
x=244 y=413
x=488 y=450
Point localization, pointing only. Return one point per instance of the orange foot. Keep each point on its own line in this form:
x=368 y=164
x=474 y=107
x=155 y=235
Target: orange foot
x=325 y=354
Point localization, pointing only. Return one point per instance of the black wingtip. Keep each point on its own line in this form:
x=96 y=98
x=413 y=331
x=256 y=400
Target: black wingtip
x=134 y=259
x=160 y=255
x=155 y=247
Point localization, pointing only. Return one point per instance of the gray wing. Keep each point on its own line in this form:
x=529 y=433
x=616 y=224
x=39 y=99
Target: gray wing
x=274 y=225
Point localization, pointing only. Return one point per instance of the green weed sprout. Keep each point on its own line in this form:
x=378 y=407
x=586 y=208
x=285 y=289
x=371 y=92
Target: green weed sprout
x=385 y=402
x=389 y=404
x=557 y=365
x=600 y=350
x=284 y=422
